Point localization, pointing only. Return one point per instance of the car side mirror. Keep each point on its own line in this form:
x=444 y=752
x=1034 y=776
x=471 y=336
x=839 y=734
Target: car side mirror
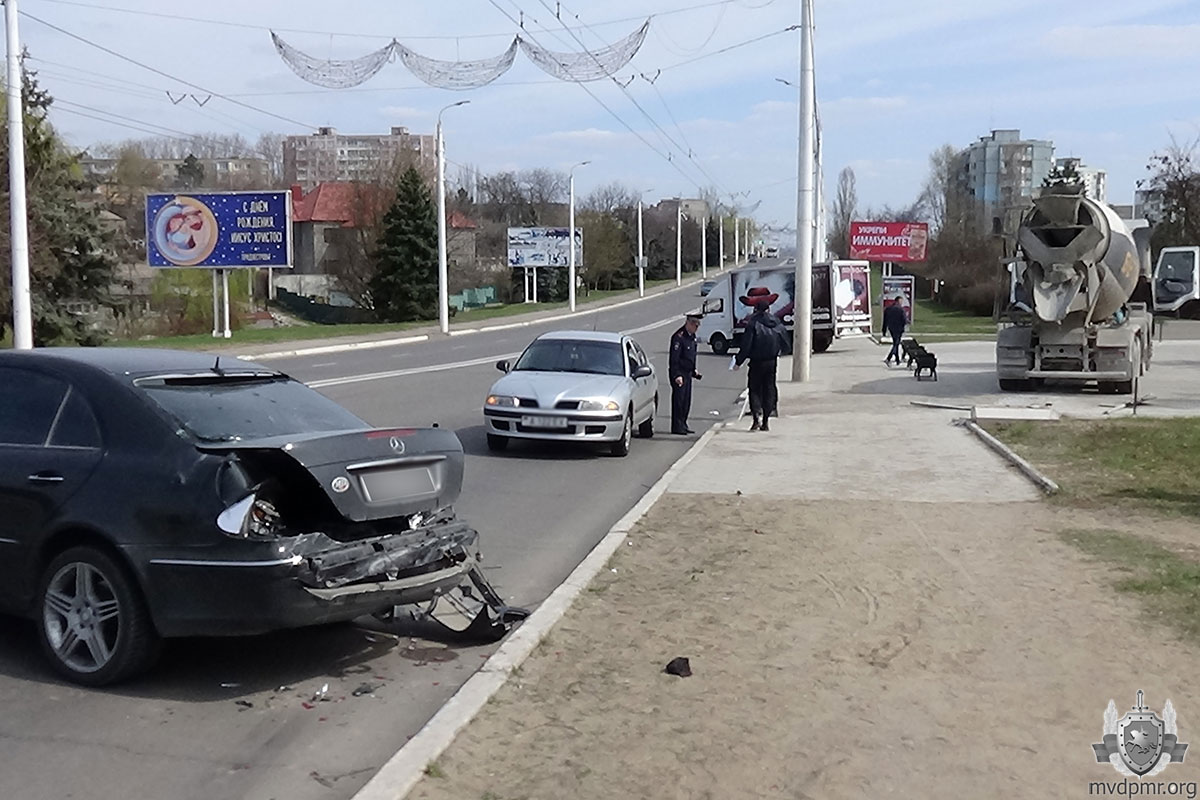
x=643 y=371
x=503 y=366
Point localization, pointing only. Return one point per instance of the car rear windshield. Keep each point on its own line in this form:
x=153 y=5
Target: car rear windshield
x=232 y=407
x=565 y=355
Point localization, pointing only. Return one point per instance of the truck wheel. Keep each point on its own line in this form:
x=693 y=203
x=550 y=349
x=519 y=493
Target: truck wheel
x=1135 y=362
x=720 y=344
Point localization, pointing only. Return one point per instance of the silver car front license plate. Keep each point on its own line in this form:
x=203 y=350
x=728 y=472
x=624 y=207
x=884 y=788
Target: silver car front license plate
x=544 y=422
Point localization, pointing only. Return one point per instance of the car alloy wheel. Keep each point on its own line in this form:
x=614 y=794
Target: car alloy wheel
x=94 y=627
x=621 y=446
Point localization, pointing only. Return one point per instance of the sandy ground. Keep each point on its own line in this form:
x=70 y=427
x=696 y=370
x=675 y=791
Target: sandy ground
x=912 y=650
x=924 y=633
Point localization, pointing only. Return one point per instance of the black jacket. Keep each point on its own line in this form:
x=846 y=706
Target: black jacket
x=763 y=340
x=683 y=355
x=894 y=320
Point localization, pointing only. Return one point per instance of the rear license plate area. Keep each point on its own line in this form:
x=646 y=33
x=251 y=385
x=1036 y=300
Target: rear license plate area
x=399 y=483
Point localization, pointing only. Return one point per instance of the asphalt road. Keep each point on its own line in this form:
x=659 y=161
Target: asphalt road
x=234 y=718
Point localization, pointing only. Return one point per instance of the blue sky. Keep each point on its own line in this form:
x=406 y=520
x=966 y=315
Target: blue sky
x=1106 y=81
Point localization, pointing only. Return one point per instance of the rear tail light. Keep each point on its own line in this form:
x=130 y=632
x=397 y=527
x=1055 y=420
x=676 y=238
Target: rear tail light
x=251 y=518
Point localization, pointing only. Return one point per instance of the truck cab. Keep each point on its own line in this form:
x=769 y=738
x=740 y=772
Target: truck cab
x=1177 y=280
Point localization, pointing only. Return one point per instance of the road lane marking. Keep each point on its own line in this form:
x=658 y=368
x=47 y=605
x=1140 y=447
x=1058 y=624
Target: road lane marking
x=475 y=362
x=325 y=364
x=400 y=373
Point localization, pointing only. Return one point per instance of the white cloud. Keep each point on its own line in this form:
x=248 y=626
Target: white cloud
x=1171 y=43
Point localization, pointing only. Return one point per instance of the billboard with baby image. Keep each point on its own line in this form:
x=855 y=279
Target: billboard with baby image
x=776 y=286
x=219 y=230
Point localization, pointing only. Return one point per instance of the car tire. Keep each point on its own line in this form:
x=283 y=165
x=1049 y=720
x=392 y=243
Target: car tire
x=87 y=597
x=720 y=344
x=497 y=444
x=620 y=447
x=646 y=429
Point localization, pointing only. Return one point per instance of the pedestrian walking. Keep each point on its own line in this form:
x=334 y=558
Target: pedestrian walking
x=762 y=342
x=894 y=323
x=682 y=371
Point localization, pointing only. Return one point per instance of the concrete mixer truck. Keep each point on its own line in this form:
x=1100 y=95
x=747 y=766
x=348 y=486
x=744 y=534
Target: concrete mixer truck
x=1080 y=268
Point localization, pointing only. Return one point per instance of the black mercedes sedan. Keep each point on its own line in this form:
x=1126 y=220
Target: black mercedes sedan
x=147 y=494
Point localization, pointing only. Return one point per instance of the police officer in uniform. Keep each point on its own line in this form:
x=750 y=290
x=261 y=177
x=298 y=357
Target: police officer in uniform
x=682 y=371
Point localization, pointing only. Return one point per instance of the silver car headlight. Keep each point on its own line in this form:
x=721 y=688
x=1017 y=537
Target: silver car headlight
x=502 y=401
x=599 y=405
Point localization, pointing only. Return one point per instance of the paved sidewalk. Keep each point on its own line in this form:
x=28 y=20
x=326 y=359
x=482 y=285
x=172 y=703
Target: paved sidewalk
x=873 y=604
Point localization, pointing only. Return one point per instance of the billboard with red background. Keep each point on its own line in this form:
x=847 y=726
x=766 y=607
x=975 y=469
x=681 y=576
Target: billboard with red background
x=888 y=241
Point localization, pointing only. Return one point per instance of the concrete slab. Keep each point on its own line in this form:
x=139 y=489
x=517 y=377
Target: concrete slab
x=1013 y=413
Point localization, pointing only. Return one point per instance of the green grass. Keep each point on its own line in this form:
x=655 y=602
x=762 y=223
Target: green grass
x=1145 y=464
x=314 y=332
x=1167 y=584
x=932 y=319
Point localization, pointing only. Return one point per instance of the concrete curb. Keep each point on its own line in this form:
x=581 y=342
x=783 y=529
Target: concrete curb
x=1028 y=470
x=405 y=769
x=367 y=345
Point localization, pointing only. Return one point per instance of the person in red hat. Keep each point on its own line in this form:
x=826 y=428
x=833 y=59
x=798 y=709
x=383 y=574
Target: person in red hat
x=762 y=343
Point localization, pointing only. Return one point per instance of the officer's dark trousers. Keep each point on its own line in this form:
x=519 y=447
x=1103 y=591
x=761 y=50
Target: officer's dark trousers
x=681 y=405
x=764 y=394
x=895 y=351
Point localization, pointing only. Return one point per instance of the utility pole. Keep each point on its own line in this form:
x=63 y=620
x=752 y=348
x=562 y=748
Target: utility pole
x=641 y=263
x=802 y=333
x=704 y=247
x=735 y=241
x=571 y=237
x=22 y=301
x=721 y=239
x=443 y=271
x=679 y=242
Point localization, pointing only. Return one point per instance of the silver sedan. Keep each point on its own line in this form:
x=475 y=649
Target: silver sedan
x=578 y=386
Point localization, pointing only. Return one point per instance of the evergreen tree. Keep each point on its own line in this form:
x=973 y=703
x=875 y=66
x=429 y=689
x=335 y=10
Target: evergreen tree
x=1064 y=174
x=190 y=174
x=405 y=285
x=713 y=241
x=70 y=257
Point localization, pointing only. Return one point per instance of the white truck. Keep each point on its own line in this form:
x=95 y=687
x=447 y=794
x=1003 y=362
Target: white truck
x=1071 y=316
x=1177 y=282
x=730 y=303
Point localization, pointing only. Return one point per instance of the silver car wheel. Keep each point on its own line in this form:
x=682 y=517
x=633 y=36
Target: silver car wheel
x=82 y=617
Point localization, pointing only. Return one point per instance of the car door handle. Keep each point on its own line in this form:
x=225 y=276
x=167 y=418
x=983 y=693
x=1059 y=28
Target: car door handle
x=45 y=477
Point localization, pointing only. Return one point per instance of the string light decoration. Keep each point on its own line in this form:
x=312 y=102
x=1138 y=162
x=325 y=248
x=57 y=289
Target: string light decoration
x=457 y=74
x=588 y=65
x=575 y=67
x=333 y=74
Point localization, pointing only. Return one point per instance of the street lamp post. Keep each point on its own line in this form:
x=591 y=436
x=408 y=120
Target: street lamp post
x=443 y=271
x=641 y=265
x=802 y=351
x=679 y=242
x=704 y=247
x=721 y=239
x=571 y=237
x=22 y=303
x=735 y=241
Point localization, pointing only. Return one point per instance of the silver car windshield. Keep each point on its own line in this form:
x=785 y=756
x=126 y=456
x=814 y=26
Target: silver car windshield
x=564 y=355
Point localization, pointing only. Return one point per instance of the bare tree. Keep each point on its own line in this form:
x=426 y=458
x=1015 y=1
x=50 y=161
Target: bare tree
x=845 y=208
x=1175 y=181
x=611 y=197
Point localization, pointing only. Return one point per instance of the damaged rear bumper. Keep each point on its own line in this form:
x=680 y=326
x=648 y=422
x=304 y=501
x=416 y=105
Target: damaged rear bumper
x=308 y=580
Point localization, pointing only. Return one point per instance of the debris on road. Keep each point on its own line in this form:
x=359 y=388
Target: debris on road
x=366 y=688
x=230 y=685
x=243 y=703
x=679 y=666
x=320 y=696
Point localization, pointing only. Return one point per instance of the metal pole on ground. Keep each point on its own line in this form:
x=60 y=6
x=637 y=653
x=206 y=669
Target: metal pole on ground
x=802 y=335
x=216 y=305
x=22 y=300
x=571 y=237
x=679 y=243
x=225 y=298
x=443 y=271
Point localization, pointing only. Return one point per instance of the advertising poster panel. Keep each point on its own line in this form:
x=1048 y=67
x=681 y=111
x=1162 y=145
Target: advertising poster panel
x=220 y=230
x=776 y=286
x=852 y=296
x=543 y=247
x=900 y=289
x=888 y=241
